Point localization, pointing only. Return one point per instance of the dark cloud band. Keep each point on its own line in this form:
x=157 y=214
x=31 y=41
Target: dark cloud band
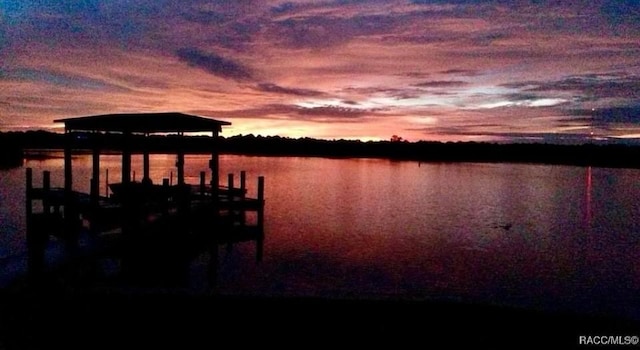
x=214 y=64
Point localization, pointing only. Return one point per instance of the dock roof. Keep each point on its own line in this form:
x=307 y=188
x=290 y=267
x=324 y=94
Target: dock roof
x=143 y=123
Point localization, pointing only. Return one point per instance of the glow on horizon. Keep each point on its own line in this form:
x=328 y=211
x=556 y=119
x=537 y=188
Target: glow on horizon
x=543 y=102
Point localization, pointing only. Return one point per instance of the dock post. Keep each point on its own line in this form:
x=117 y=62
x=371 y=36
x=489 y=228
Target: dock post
x=68 y=172
x=28 y=194
x=180 y=166
x=260 y=219
x=70 y=226
x=126 y=158
x=232 y=211
x=46 y=187
x=145 y=167
x=230 y=186
x=31 y=266
x=180 y=158
x=106 y=183
x=243 y=189
x=35 y=249
x=243 y=181
x=95 y=175
x=214 y=166
x=261 y=202
x=203 y=179
x=215 y=178
x=126 y=200
x=146 y=177
x=94 y=204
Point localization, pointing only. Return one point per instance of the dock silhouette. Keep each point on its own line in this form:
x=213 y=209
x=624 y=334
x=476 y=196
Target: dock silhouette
x=147 y=233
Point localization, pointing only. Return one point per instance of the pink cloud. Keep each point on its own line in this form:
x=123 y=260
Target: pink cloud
x=383 y=65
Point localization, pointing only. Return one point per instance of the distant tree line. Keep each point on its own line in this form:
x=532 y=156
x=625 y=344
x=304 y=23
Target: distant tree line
x=604 y=155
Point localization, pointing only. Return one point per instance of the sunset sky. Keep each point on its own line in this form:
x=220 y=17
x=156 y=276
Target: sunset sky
x=359 y=69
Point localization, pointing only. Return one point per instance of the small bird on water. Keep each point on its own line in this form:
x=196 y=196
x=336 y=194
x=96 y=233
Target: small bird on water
x=505 y=227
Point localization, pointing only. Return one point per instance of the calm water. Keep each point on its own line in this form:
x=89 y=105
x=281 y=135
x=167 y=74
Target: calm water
x=537 y=236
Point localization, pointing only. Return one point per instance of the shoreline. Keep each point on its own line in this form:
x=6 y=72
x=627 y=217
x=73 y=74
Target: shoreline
x=600 y=154
x=41 y=154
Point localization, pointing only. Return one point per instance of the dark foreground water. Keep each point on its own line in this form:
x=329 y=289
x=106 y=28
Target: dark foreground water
x=536 y=236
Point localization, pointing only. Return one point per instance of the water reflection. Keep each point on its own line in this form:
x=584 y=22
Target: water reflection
x=502 y=233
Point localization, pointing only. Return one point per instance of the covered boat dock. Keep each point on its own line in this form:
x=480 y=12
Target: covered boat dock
x=176 y=220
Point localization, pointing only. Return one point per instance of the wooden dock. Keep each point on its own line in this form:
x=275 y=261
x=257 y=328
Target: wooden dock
x=142 y=228
x=141 y=233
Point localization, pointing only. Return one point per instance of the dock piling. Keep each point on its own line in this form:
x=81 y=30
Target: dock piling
x=203 y=179
x=261 y=203
x=28 y=194
x=106 y=182
x=35 y=246
x=95 y=173
x=46 y=187
x=180 y=166
x=243 y=189
x=260 y=223
x=230 y=186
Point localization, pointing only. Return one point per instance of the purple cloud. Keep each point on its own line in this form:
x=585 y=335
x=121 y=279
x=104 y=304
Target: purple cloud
x=214 y=64
x=441 y=84
x=273 y=88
